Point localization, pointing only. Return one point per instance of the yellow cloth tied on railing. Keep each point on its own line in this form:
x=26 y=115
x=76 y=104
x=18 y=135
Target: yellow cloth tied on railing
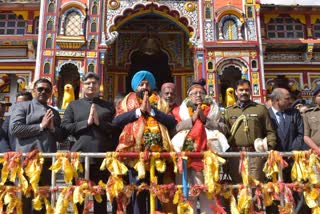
x=37 y=203
x=244 y=199
x=270 y=193
x=113 y=187
x=140 y=167
x=274 y=165
x=70 y=165
x=33 y=168
x=211 y=170
x=312 y=197
x=159 y=164
x=64 y=198
x=11 y=200
x=184 y=208
x=314 y=169
x=244 y=168
x=114 y=166
x=12 y=166
x=300 y=170
x=173 y=156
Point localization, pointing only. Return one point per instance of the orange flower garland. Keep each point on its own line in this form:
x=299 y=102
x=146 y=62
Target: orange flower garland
x=152 y=137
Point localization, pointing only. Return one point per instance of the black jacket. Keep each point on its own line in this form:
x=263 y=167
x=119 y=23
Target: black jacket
x=91 y=138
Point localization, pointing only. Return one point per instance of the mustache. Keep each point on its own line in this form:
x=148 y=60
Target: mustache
x=244 y=95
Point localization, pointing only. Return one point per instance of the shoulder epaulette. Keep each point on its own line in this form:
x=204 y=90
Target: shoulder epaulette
x=231 y=106
x=309 y=109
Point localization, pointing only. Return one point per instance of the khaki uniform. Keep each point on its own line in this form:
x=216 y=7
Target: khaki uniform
x=259 y=125
x=255 y=123
x=311 y=120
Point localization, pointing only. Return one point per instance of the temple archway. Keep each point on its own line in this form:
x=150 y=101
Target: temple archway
x=229 y=71
x=150 y=39
x=68 y=74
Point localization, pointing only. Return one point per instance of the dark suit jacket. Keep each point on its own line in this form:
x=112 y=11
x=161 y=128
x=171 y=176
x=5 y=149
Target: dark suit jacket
x=7 y=144
x=25 y=127
x=128 y=117
x=292 y=137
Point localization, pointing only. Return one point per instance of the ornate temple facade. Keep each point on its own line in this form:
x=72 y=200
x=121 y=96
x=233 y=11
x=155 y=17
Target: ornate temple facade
x=271 y=43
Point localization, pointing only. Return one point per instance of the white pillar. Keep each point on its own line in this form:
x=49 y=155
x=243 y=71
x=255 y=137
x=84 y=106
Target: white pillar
x=39 y=47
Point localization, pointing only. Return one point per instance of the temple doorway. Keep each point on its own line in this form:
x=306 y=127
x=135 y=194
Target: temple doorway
x=149 y=42
x=150 y=57
x=68 y=75
x=228 y=78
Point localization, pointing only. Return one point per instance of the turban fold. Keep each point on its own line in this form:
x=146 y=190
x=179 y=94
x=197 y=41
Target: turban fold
x=143 y=75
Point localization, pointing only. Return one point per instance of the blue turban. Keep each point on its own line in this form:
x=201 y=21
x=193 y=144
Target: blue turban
x=143 y=75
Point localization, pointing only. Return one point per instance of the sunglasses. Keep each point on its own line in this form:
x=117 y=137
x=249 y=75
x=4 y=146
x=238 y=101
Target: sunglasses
x=46 y=90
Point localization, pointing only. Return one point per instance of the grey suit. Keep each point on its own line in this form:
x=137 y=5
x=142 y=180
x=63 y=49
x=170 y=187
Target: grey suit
x=25 y=127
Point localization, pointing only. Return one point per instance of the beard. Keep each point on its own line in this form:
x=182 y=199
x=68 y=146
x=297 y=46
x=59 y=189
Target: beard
x=140 y=94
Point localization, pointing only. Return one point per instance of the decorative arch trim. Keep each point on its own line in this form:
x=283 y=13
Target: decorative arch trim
x=161 y=10
x=232 y=17
x=75 y=63
x=68 y=5
x=229 y=10
x=236 y=62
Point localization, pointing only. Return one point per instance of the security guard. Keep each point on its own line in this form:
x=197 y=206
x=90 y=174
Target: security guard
x=311 y=119
x=248 y=121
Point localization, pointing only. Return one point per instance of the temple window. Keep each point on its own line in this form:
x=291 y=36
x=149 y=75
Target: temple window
x=316 y=29
x=73 y=24
x=230 y=28
x=208 y=12
x=91 y=68
x=285 y=28
x=51 y=7
x=250 y=12
x=210 y=65
x=36 y=25
x=94 y=9
x=254 y=64
x=92 y=44
x=11 y=24
x=46 y=68
x=49 y=25
x=49 y=43
x=93 y=28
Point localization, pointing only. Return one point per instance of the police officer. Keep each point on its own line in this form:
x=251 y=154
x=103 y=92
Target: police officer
x=248 y=121
x=311 y=119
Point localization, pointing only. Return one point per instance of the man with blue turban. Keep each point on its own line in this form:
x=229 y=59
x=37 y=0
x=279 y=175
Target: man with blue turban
x=144 y=125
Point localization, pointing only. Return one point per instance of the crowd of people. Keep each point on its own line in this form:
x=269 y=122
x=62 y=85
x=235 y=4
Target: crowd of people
x=146 y=120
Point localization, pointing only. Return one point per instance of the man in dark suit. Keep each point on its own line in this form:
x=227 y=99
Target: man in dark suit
x=286 y=121
x=35 y=125
x=288 y=124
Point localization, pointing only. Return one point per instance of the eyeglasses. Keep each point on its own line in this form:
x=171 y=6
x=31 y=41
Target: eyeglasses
x=46 y=90
x=89 y=83
x=198 y=93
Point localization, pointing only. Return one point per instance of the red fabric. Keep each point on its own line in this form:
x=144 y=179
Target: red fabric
x=198 y=134
x=128 y=136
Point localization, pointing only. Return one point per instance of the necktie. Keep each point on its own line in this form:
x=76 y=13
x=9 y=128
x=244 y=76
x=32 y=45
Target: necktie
x=281 y=120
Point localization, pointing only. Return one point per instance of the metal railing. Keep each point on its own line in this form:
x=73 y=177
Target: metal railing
x=122 y=157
